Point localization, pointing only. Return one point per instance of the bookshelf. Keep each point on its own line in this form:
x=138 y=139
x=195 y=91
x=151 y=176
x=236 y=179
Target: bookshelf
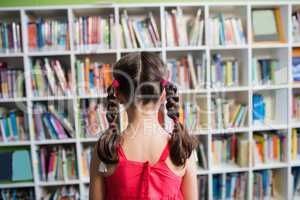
x=281 y=92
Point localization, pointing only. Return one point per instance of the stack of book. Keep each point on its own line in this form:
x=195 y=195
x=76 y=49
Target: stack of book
x=62 y=193
x=224 y=71
x=48 y=34
x=226 y=30
x=266 y=71
x=10 y=37
x=92 y=78
x=187 y=72
x=296 y=65
x=296 y=106
x=296 y=182
x=57 y=163
x=11 y=82
x=92 y=118
x=94 y=32
x=295 y=143
x=263 y=107
x=203 y=187
x=227 y=113
x=17 y=194
x=86 y=157
x=201 y=156
x=230 y=186
x=49 y=77
x=13 y=125
x=265 y=184
x=49 y=123
x=182 y=32
x=296 y=26
x=139 y=33
x=269 y=147
x=230 y=149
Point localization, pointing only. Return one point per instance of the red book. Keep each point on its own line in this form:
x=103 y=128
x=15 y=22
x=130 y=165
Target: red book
x=32 y=35
x=175 y=28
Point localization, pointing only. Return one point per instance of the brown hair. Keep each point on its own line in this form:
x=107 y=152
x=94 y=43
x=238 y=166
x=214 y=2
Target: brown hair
x=144 y=72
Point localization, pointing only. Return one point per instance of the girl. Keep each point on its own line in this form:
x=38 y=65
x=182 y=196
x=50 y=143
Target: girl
x=144 y=161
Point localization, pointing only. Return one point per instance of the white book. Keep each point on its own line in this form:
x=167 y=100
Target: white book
x=192 y=69
x=201 y=33
x=133 y=33
x=237 y=36
x=169 y=30
x=137 y=33
x=127 y=39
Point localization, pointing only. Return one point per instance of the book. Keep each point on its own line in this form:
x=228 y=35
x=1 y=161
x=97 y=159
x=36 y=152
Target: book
x=62 y=193
x=263 y=106
x=224 y=71
x=57 y=163
x=10 y=36
x=12 y=81
x=203 y=187
x=51 y=124
x=184 y=30
x=86 y=157
x=296 y=65
x=269 y=147
x=50 y=78
x=48 y=34
x=92 y=118
x=228 y=113
x=227 y=149
x=17 y=193
x=139 y=32
x=187 y=72
x=295 y=144
x=13 y=125
x=93 y=78
x=296 y=182
x=226 y=30
x=202 y=156
x=265 y=184
x=94 y=32
x=296 y=25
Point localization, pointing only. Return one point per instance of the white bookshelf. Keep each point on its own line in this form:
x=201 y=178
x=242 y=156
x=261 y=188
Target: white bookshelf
x=282 y=92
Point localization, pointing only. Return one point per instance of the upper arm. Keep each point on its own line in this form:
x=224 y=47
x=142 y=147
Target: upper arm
x=189 y=185
x=97 y=187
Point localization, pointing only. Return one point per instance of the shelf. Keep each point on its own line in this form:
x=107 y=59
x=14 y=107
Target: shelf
x=139 y=50
x=228 y=47
x=271 y=165
x=187 y=48
x=15 y=143
x=92 y=96
x=269 y=127
x=52 y=98
x=97 y=51
x=17 y=99
x=269 y=45
x=270 y=87
x=17 y=185
x=228 y=168
x=58 y=183
x=230 y=130
x=89 y=140
x=230 y=89
x=56 y=141
x=3 y=55
x=49 y=53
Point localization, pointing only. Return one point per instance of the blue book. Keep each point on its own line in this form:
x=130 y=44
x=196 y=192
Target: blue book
x=218 y=62
x=228 y=186
x=13 y=120
x=258 y=107
x=296 y=60
x=21 y=166
x=39 y=27
x=222 y=29
x=50 y=128
x=6 y=166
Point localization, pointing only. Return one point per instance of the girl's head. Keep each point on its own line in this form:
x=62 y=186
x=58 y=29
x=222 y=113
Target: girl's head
x=139 y=78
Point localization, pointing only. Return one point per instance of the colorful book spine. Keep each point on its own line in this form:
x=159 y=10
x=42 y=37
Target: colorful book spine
x=48 y=34
x=269 y=147
x=86 y=157
x=10 y=37
x=19 y=193
x=264 y=184
x=263 y=106
x=93 y=78
x=62 y=193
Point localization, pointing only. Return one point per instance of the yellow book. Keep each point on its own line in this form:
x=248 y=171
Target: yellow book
x=84 y=167
x=279 y=24
x=234 y=114
x=87 y=75
x=228 y=76
x=181 y=115
x=294 y=144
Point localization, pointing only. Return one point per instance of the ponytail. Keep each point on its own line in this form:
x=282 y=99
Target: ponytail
x=110 y=139
x=181 y=144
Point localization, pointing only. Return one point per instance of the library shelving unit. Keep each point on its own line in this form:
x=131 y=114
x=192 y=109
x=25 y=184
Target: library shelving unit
x=281 y=92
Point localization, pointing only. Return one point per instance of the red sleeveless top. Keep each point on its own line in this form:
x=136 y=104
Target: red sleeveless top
x=134 y=180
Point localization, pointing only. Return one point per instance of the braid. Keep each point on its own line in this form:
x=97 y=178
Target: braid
x=181 y=143
x=110 y=139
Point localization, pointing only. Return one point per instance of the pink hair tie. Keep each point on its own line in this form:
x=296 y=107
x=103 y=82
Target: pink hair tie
x=176 y=120
x=164 y=82
x=115 y=84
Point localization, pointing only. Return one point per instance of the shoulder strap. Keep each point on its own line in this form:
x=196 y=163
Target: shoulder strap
x=165 y=153
x=121 y=153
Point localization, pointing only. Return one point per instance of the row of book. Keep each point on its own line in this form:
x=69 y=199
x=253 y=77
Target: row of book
x=203 y=187
x=230 y=149
x=187 y=72
x=266 y=71
x=16 y=165
x=224 y=71
x=139 y=33
x=62 y=193
x=296 y=106
x=57 y=163
x=182 y=32
x=228 y=113
x=296 y=65
x=86 y=157
x=201 y=156
x=93 y=77
x=50 y=77
x=92 y=118
x=48 y=34
x=296 y=25
x=296 y=181
x=295 y=143
x=269 y=147
x=93 y=32
x=17 y=194
x=226 y=30
x=265 y=182
x=10 y=37
x=13 y=125
x=263 y=106
x=11 y=82
x=230 y=186
x=51 y=123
